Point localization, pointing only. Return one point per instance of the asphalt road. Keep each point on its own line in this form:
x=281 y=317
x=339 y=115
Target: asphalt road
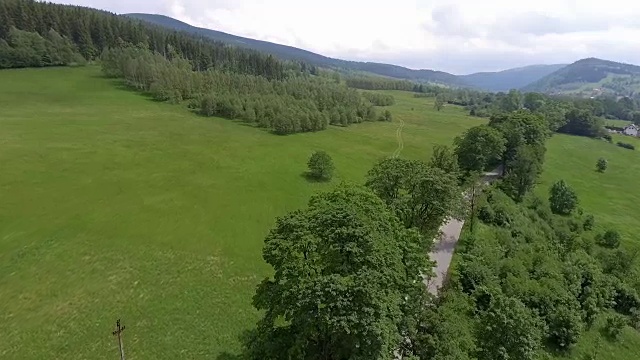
x=445 y=244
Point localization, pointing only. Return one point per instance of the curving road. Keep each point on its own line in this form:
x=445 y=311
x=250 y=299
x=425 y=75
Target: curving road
x=445 y=244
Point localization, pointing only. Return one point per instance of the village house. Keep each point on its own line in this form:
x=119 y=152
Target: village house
x=631 y=130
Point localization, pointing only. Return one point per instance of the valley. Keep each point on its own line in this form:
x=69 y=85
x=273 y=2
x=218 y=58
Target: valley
x=227 y=198
x=154 y=214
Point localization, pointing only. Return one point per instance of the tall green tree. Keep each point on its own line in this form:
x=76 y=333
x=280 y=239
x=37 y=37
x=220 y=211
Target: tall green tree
x=520 y=128
x=343 y=268
x=480 y=147
x=444 y=157
x=582 y=122
x=512 y=101
x=522 y=172
x=439 y=102
x=562 y=198
x=534 y=101
x=421 y=196
x=320 y=165
x=509 y=330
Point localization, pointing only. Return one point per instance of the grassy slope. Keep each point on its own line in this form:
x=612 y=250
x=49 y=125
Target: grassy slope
x=617 y=123
x=612 y=198
x=115 y=206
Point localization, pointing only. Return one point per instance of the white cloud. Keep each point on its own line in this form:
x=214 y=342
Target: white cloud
x=460 y=36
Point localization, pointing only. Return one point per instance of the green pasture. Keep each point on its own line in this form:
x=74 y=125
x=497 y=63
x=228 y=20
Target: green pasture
x=116 y=206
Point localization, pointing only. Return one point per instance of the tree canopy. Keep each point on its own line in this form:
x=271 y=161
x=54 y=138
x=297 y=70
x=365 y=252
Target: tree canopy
x=562 y=198
x=479 y=147
x=92 y=31
x=320 y=165
x=343 y=267
x=421 y=196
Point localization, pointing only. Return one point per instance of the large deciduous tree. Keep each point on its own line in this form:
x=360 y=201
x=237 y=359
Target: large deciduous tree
x=422 y=196
x=521 y=128
x=479 y=147
x=343 y=269
x=320 y=165
x=582 y=122
x=522 y=172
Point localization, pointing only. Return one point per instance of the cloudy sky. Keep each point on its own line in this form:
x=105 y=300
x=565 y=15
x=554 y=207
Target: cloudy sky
x=458 y=36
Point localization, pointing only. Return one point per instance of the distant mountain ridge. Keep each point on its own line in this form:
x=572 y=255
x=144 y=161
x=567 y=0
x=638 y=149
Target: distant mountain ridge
x=591 y=77
x=510 y=79
x=579 y=78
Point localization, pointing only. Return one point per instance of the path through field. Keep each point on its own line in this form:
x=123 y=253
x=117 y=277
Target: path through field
x=399 y=138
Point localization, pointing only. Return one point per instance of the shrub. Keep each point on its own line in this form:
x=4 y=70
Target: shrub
x=614 y=326
x=589 y=222
x=608 y=137
x=626 y=145
x=320 y=166
x=564 y=326
x=625 y=298
x=386 y=116
x=601 y=165
x=610 y=239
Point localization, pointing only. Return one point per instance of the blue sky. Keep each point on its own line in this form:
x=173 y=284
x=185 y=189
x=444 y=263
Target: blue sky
x=458 y=36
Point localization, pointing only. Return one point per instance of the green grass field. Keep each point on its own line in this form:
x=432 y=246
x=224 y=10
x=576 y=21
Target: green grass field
x=617 y=123
x=116 y=206
x=612 y=197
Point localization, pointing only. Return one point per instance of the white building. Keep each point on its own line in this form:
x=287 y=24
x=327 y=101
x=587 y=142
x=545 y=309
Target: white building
x=631 y=130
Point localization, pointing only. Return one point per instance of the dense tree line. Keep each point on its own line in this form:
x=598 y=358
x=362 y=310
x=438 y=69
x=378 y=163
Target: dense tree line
x=93 y=30
x=290 y=105
x=29 y=49
x=378 y=83
x=378 y=99
x=576 y=116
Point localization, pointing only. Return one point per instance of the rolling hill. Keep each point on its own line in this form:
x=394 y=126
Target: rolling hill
x=510 y=79
x=591 y=77
x=579 y=78
x=293 y=53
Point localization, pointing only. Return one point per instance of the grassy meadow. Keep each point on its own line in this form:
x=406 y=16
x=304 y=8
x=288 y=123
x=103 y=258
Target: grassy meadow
x=612 y=197
x=115 y=206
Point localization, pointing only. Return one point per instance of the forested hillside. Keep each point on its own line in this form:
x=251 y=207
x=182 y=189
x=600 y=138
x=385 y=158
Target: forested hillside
x=92 y=31
x=509 y=79
x=235 y=83
x=591 y=77
x=292 y=53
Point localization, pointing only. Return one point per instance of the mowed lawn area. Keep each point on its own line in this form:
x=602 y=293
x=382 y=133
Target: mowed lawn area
x=115 y=206
x=614 y=199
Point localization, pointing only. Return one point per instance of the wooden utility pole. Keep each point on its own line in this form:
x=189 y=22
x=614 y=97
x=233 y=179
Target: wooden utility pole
x=118 y=333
